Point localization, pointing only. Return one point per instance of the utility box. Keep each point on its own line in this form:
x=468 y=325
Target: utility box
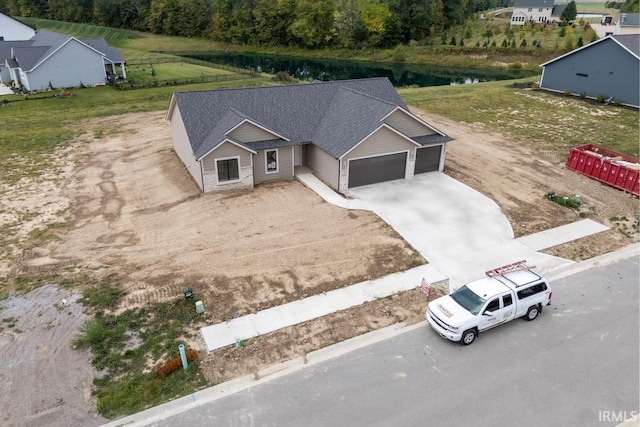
x=610 y=167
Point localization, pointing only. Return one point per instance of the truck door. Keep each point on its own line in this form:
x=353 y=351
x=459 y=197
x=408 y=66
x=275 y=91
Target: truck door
x=498 y=311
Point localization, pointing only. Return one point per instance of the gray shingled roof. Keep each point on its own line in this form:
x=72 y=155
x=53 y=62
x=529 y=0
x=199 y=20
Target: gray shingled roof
x=6 y=46
x=629 y=19
x=333 y=115
x=101 y=45
x=31 y=52
x=29 y=57
x=630 y=41
x=534 y=3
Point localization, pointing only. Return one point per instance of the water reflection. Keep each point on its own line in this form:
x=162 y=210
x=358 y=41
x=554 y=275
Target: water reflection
x=399 y=74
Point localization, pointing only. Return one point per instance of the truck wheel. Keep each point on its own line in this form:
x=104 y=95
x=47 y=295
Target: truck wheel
x=532 y=313
x=468 y=337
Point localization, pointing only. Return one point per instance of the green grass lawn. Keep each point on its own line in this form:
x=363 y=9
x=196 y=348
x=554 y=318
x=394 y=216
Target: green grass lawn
x=32 y=126
x=549 y=122
x=172 y=71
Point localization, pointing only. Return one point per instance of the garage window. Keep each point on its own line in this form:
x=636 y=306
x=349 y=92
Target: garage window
x=228 y=169
x=271 y=157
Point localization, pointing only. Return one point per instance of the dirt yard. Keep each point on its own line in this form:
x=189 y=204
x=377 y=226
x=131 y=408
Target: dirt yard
x=133 y=211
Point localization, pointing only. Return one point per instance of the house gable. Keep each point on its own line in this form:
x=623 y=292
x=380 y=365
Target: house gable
x=607 y=67
x=13 y=30
x=410 y=125
x=383 y=140
x=248 y=131
x=536 y=11
x=312 y=124
x=70 y=65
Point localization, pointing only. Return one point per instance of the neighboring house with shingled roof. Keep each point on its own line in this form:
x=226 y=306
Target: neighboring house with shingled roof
x=52 y=60
x=536 y=12
x=348 y=133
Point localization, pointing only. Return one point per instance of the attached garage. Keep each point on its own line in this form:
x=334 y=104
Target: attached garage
x=428 y=159
x=372 y=170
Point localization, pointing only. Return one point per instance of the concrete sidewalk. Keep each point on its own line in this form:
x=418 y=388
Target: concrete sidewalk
x=272 y=319
x=438 y=224
x=185 y=403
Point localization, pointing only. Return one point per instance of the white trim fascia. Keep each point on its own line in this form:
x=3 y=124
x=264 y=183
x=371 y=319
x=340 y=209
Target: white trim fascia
x=378 y=155
x=172 y=106
x=220 y=144
x=216 y=160
x=258 y=126
x=589 y=45
x=61 y=46
x=266 y=171
x=383 y=125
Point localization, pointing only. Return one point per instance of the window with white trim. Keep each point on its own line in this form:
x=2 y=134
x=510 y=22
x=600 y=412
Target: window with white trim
x=228 y=169
x=271 y=159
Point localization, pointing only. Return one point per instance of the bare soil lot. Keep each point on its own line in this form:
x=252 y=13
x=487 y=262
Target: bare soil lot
x=132 y=211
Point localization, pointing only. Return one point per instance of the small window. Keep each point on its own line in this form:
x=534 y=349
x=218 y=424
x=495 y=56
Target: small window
x=529 y=9
x=540 y=9
x=507 y=300
x=493 y=305
x=271 y=157
x=532 y=290
x=228 y=170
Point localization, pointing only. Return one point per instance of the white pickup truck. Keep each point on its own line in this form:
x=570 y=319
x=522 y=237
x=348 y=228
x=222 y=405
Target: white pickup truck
x=506 y=293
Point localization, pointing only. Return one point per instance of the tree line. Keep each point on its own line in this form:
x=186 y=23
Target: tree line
x=297 y=23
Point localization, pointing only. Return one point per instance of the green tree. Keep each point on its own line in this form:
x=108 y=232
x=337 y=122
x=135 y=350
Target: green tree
x=379 y=22
x=232 y=21
x=630 y=6
x=417 y=17
x=570 y=12
x=455 y=12
x=313 y=23
x=272 y=19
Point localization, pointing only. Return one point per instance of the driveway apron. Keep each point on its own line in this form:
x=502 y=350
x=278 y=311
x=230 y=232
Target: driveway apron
x=457 y=229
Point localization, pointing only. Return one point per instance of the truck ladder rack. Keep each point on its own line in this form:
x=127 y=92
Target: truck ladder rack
x=509 y=268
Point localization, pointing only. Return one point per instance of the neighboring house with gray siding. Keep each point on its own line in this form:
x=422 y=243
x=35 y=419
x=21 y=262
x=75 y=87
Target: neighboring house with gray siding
x=608 y=67
x=52 y=60
x=11 y=29
x=349 y=133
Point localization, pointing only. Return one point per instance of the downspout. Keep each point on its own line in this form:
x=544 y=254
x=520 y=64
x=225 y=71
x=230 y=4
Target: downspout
x=201 y=175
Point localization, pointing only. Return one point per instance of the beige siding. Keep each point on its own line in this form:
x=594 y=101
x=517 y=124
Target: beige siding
x=323 y=165
x=406 y=124
x=182 y=146
x=226 y=149
x=285 y=165
x=248 y=132
x=383 y=141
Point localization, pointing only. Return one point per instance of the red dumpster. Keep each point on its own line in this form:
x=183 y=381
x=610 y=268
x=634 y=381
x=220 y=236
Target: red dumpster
x=608 y=166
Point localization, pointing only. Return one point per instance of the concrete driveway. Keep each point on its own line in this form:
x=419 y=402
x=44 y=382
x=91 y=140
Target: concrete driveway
x=461 y=232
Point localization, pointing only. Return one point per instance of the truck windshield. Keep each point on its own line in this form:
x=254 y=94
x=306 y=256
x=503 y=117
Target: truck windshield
x=467 y=299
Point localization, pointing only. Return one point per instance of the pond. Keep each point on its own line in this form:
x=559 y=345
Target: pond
x=400 y=74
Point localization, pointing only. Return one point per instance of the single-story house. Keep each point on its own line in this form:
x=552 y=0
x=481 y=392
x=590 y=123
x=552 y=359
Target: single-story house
x=11 y=29
x=608 y=67
x=52 y=60
x=348 y=133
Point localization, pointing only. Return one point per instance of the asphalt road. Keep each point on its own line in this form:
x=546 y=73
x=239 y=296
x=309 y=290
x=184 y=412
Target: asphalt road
x=575 y=365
